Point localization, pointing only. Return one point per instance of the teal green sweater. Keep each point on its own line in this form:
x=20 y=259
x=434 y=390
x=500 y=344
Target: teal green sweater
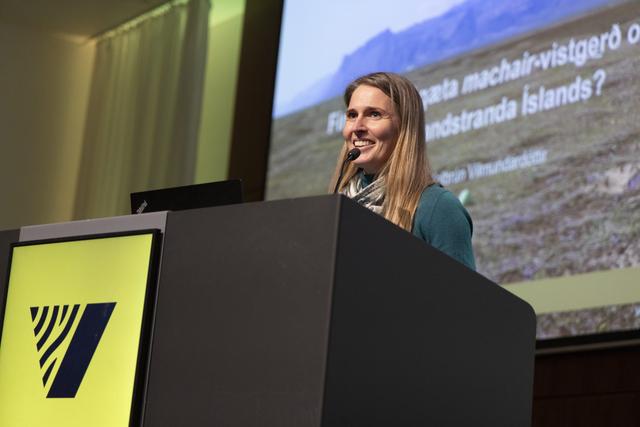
x=443 y=223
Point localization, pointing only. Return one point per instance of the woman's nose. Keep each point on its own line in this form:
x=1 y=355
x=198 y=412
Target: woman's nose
x=359 y=124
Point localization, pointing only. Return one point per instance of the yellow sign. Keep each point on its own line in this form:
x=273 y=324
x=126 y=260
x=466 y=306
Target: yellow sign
x=71 y=332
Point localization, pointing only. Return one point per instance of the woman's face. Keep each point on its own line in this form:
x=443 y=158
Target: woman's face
x=371 y=126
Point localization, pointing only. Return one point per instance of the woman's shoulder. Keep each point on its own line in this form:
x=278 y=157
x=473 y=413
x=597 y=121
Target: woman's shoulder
x=437 y=200
x=433 y=190
x=442 y=221
x=440 y=209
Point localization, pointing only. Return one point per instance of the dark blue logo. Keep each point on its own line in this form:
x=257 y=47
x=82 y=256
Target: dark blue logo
x=52 y=324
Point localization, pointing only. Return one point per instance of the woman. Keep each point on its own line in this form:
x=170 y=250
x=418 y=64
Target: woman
x=392 y=176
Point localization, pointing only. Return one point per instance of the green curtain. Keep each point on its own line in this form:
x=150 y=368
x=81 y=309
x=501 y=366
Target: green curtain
x=144 y=110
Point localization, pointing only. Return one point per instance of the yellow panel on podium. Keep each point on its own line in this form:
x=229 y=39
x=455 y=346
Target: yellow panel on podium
x=74 y=330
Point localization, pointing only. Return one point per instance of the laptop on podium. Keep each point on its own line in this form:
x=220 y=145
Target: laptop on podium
x=187 y=197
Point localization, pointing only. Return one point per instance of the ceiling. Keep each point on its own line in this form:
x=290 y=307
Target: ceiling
x=77 y=18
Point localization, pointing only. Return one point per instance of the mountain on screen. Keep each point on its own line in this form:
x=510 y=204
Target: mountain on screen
x=465 y=27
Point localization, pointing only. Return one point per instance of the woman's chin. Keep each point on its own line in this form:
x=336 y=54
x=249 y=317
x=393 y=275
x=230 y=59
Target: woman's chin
x=360 y=163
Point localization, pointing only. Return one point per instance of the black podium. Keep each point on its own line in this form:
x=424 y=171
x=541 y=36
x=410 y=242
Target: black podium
x=316 y=312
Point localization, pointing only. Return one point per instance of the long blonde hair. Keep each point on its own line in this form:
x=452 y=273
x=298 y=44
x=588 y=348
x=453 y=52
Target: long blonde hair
x=407 y=172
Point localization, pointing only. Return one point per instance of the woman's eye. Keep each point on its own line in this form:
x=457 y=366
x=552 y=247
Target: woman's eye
x=375 y=114
x=351 y=115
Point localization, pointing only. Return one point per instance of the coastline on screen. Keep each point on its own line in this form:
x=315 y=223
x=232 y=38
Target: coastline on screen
x=530 y=111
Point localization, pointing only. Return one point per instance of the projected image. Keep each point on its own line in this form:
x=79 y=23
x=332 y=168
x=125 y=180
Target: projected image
x=531 y=118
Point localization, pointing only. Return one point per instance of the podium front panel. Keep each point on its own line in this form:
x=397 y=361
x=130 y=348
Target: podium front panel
x=417 y=338
x=243 y=315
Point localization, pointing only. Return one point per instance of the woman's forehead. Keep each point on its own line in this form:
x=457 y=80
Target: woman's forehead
x=368 y=96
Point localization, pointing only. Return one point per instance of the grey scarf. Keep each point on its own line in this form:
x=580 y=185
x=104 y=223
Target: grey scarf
x=370 y=196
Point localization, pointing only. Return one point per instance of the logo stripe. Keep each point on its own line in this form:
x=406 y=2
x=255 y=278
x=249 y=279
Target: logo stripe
x=45 y=377
x=81 y=349
x=52 y=323
x=64 y=313
x=67 y=327
x=43 y=317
